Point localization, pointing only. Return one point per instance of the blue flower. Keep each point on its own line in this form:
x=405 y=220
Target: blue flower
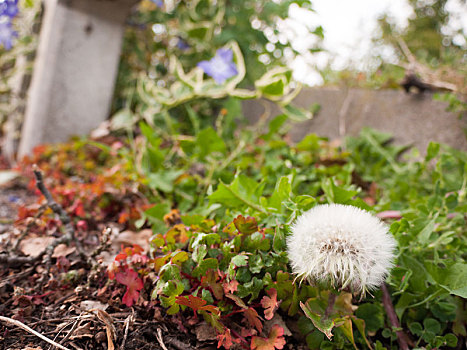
x=9 y=8
x=7 y=34
x=182 y=44
x=159 y=3
x=221 y=67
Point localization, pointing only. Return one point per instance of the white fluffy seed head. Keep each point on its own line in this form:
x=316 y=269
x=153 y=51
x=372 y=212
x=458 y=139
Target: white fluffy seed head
x=342 y=247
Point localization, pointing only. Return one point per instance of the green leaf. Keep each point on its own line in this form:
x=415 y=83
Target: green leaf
x=275 y=88
x=204 y=266
x=373 y=316
x=405 y=300
x=416 y=328
x=453 y=278
x=337 y=194
x=431 y=325
x=150 y=135
x=169 y=272
x=253 y=287
x=346 y=328
x=240 y=193
x=207 y=238
x=199 y=253
x=361 y=328
x=255 y=263
x=450 y=340
x=206 y=295
x=123 y=119
x=173 y=288
x=157 y=211
x=432 y=151
x=310 y=143
x=419 y=276
x=281 y=193
x=314 y=339
x=325 y=325
x=240 y=260
x=297 y=114
x=276 y=123
x=424 y=235
x=208 y=141
x=164 y=180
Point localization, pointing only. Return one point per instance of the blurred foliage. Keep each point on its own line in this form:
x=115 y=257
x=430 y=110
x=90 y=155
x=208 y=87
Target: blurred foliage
x=427 y=35
x=16 y=63
x=192 y=32
x=436 y=52
x=222 y=202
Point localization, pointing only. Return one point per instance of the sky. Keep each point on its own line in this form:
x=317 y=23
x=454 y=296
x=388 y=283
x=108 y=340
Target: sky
x=349 y=27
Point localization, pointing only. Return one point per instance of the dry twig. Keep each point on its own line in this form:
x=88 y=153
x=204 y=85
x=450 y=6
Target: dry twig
x=128 y=322
x=30 y=330
x=159 y=339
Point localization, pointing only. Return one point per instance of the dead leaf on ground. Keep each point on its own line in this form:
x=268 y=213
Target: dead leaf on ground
x=34 y=245
x=92 y=304
x=128 y=238
x=82 y=331
x=205 y=332
x=62 y=250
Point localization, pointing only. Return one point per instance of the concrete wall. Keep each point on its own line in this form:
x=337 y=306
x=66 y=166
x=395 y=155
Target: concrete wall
x=412 y=118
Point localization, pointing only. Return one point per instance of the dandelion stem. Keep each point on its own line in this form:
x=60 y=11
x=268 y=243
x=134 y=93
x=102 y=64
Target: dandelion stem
x=393 y=320
x=331 y=300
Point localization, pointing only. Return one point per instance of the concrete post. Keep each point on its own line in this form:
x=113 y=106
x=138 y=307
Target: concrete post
x=75 y=69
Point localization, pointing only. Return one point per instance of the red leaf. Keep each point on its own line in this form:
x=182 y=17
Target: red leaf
x=134 y=284
x=246 y=225
x=196 y=304
x=225 y=339
x=253 y=319
x=270 y=303
x=274 y=341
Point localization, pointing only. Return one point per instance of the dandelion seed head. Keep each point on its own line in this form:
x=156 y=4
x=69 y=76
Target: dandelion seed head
x=342 y=247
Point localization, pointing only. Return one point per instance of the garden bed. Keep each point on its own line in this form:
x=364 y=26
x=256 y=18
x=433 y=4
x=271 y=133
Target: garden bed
x=179 y=243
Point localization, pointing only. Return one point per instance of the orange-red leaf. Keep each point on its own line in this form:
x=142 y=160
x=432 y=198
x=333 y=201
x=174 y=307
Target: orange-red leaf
x=270 y=303
x=253 y=319
x=274 y=341
x=225 y=339
x=196 y=303
x=230 y=287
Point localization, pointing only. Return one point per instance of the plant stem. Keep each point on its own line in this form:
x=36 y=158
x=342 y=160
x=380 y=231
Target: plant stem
x=247 y=202
x=331 y=300
x=383 y=152
x=393 y=320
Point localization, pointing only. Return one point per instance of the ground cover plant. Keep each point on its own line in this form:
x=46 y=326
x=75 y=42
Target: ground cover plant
x=216 y=257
